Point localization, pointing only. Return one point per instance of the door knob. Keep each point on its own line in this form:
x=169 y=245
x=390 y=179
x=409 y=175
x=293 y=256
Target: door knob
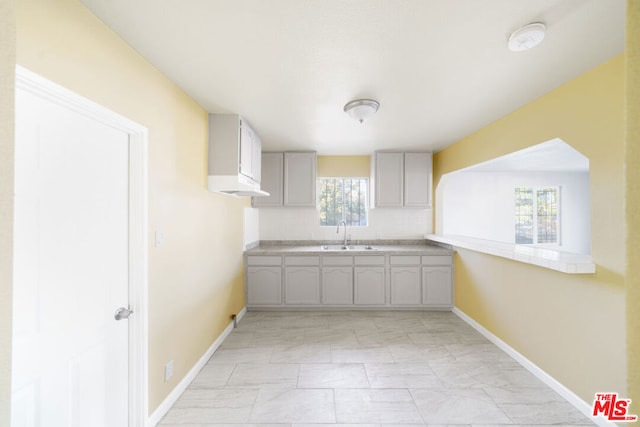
x=122 y=313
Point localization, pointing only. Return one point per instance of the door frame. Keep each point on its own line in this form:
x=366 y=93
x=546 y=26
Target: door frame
x=138 y=227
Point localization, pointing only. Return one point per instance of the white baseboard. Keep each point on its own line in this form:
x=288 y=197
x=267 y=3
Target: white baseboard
x=554 y=384
x=169 y=401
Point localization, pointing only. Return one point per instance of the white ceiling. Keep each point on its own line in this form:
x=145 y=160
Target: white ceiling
x=439 y=68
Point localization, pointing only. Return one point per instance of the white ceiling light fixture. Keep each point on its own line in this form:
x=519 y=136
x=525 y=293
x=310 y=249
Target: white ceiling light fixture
x=527 y=37
x=361 y=109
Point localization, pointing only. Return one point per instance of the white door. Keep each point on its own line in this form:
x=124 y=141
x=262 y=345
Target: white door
x=71 y=266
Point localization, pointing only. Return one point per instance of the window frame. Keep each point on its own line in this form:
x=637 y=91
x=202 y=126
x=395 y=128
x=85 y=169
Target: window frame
x=365 y=203
x=535 y=189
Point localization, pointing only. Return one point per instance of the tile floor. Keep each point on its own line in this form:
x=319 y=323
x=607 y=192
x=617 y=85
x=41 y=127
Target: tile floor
x=364 y=369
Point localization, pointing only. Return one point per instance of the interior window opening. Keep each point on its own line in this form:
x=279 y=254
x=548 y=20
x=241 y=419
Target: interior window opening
x=538 y=196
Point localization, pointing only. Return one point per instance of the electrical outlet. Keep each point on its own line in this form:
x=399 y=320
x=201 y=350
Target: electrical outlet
x=168 y=370
x=159 y=238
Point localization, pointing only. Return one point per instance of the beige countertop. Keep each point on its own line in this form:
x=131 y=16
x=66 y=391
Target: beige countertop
x=334 y=248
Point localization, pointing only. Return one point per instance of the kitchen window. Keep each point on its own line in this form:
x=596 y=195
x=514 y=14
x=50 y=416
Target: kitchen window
x=537 y=217
x=343 y=199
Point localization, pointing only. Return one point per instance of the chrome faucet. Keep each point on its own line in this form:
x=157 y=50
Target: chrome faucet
x=344 y=223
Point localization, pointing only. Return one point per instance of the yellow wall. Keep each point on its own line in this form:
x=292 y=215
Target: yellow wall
x=572 y=326
x=196 y=278
x=7 y=84
x=344 y=166
x=632 y=158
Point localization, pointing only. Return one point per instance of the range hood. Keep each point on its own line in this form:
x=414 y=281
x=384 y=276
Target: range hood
x=235 y=185
x=235 y=157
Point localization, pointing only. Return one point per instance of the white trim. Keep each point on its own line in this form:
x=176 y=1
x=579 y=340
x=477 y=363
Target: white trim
x=138 y=278
x=565 y=262
x=138 y=213
x=175 y=394
x=554 y=384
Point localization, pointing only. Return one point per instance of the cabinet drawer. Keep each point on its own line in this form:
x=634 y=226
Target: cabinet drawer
x=301 y=260
x=369 y=260
x=264 y=260
x=404 y=259
x=436 y=260
x=337 y=260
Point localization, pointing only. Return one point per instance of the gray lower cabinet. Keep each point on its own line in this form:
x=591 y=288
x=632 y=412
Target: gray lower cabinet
x=301 y=280
x=264 y=285
x=402 y=281
x=337 y=285
x=369 y=285
x=406 y=287
x=437 y=290
x=302 y=285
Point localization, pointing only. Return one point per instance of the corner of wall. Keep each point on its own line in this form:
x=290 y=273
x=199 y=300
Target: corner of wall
x=7 y=119
x=508 y=303
x=632 y=159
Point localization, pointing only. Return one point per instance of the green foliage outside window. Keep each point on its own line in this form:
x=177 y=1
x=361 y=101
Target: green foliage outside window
x=537 y=215
x=343 y=199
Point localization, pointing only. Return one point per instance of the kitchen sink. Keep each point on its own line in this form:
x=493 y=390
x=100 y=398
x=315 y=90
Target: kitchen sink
x=334 y=248
x=346 y=248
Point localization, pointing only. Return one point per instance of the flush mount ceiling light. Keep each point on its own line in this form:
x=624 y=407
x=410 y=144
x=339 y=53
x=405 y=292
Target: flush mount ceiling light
x=361 y=109
x=526 y=37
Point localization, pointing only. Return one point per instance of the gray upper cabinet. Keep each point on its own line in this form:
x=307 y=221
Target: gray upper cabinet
x=246 y=151
x=389 y=170
x=234 y=156
x=256 y=157
x=289 y=178
x=300 y=179
x=402 y=179
x=233 y=147
x=272 y=180
x=417 y=180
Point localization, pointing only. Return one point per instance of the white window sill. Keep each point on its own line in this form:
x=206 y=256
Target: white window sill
x=565 y=262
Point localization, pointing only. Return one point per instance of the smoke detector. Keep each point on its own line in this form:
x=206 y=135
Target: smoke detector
x=527 y=37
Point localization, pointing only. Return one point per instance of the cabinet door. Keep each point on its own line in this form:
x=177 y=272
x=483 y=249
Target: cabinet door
x=302 y=285
x=389 y=179
x=417 y=180
x=246 y=149
x=437 y=287
x=256 y=157
x=369 y=285
x=337 y=285
x=264 y=286
x=405 y=286
x=300 y=179
x=272 y=180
